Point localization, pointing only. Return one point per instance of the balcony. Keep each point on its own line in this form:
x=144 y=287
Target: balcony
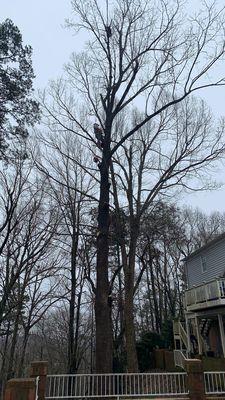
x=207 y=295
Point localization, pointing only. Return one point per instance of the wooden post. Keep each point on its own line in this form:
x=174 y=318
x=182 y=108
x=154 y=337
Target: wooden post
x=195 y=374
x=198 y=336
x=40 y=369
x=20 y=389
x=188 y=335
x=222 y=335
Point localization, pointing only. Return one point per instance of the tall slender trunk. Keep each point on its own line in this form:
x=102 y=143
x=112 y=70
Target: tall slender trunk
x=104 y=337
x=132 y=362
x=165 y=284
x=23 y=352
x=160 y=295
x=120 y=306
x=3 y=370
x=11 y=363
x=149 y=291
x=129 y=268
x=154 y=295
x=77 y=326
x=3 y=306
x=71 y=356
x=153 y=285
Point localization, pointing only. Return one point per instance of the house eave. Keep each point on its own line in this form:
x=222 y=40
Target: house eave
x=205 y=247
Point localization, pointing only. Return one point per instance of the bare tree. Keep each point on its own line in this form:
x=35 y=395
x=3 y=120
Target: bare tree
x=42 y=291
x=27 y=238
x=201 y=228
x=158 y=161
x=136 y=51
x=72 y=188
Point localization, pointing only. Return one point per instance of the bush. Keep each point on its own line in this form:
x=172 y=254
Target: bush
x=145 y=346
x=152 y=340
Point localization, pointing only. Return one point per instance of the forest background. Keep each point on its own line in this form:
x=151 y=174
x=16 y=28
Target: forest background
x=50 y=203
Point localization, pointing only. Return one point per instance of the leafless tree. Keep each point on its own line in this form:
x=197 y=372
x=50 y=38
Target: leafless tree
x=72 y=188
x=156 y=163
x=137 y=51
x=27 y=239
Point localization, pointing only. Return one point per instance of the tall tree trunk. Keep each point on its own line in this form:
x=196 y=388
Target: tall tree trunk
x=128 y=267
x=4 y=355
x=132 y=362
x=160 y=294
x=11 y=363
x=149 y=291
x=77 y=326
x=71 y=356
x=23 y=352
x=104 y=337
x=153 y=283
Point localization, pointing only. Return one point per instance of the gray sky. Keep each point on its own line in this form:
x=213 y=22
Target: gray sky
x=41 y=23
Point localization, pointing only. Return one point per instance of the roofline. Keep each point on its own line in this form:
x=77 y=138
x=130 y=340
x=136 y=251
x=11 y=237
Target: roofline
x=206 y=246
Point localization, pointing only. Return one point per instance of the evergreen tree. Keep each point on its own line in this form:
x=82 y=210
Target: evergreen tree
x=18 y=110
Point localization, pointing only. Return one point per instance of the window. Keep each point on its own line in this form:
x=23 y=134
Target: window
x=203 y=264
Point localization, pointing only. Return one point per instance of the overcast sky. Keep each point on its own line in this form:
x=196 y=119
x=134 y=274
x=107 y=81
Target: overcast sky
x=41 y=23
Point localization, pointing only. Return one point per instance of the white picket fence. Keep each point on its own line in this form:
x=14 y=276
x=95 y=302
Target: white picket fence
x=214 y=383
x=67 y=387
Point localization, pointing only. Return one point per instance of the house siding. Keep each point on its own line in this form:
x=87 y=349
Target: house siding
x=215 y=259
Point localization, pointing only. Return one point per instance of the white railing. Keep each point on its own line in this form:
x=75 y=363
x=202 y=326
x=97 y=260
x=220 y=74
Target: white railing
x=180 y=357
x=36 y=391
x=222 y=287
x=180 y=331
x=115 y=385
x=213 y=290
x=214 y=382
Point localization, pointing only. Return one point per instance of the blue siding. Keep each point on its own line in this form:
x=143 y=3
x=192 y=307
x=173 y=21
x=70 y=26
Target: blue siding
x=215 y=260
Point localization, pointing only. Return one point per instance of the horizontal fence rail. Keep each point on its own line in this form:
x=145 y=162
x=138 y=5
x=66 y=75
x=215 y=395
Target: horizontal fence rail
x=115 y=385
x=214 y=382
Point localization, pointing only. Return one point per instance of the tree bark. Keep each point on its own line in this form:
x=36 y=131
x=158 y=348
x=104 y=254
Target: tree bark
x=71 y=356
x=104 y=337
x=23 y=352
x=11 y=366
x=132 y=362
x=3 y=370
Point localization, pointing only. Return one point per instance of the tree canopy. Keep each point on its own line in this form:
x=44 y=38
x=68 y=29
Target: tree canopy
x=18 y=110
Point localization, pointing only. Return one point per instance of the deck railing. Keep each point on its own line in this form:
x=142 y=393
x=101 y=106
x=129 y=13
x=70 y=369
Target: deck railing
x=179 y=331
x=213 y=290
x=180 y=357
x=214 y=382
x=116 y=385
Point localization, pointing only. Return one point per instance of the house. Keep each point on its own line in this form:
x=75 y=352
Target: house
x=204 y=302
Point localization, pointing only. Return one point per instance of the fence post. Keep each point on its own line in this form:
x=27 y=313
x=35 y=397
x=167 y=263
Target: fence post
x=196 y=384
x=20 y=389
x=40 y=369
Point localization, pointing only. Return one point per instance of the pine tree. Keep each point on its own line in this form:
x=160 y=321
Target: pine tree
x=18 y=110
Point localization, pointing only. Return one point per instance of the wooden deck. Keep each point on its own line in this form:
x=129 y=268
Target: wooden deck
x=205 y=296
